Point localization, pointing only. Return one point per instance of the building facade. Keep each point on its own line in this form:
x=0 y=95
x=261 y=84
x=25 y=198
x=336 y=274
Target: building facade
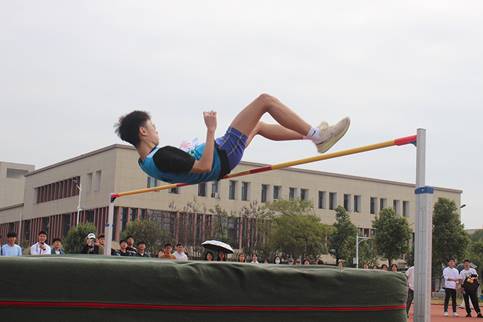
x=192 y=214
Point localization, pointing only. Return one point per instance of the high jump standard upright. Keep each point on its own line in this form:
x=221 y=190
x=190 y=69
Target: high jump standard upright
x=423 y=220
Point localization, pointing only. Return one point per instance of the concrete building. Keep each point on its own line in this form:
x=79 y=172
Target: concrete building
x=188 y=214
x=12 y=180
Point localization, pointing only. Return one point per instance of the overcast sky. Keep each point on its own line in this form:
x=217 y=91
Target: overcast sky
x=70 y=68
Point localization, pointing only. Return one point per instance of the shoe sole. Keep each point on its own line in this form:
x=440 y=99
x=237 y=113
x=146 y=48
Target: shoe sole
x=324 y=147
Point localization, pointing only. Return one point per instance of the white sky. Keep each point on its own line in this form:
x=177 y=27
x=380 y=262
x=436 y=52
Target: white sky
x=68 y=69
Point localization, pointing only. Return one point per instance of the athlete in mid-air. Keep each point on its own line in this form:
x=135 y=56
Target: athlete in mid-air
x=217 y=157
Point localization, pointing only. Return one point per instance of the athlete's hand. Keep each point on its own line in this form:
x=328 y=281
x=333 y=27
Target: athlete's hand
x=210 y=120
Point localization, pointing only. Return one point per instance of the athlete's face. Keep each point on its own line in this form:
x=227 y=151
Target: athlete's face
x=149 y=133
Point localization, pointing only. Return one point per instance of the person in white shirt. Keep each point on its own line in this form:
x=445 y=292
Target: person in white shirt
x=469 y=280
x=179 y=253
x=11 y=248
x=41 y=247
x=410 y=277
x=254 y=259
x=451 y=278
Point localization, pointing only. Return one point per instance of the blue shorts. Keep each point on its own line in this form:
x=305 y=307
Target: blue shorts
x=233 y=143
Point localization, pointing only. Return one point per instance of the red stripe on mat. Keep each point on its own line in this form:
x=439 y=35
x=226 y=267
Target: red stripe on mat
x=97 y=305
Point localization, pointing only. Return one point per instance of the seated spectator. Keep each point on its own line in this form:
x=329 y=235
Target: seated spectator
x=57 y=247
x=209 y=256
x=167 y=250
x=298 y=261
x=100 y=243
x=221 y=256
x=277 y=260
x=394 y=268
x=306 y=262
x=384 y=267
x=11 y=248
x=254 y=259
x=130 y=244
x=365 y=266
x=179 y=253
x=141 y=250
x=41 y=247
x=123 y=249
x=90 y=246
x=241 y=258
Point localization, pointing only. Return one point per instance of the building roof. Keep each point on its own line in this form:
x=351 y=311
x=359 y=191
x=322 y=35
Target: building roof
x=246 y=163
x=19 y=205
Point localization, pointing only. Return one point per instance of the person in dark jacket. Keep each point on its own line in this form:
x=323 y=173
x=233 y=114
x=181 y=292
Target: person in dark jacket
x=57 y=247
x=90 y=246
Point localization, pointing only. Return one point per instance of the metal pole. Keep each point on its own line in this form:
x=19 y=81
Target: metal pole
x=423 y=236
x=79 y=203
x=357 y=251
x=109 y=228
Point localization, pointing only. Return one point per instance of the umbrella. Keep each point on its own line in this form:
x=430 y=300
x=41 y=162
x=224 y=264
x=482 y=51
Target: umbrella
x=216 y=245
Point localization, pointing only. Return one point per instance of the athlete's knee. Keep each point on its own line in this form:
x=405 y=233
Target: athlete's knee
x=266 y=100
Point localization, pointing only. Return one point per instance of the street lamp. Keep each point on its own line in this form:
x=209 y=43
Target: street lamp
x=78 y=186
x=359 y=239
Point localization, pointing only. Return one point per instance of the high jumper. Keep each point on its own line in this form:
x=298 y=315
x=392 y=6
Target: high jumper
x=216 y=158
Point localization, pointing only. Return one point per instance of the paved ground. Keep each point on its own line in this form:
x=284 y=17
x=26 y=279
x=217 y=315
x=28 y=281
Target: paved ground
x=437 y=315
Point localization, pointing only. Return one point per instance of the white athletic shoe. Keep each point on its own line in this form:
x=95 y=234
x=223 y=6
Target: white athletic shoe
x=446 y=314
x=331 y=134
x=455 y=314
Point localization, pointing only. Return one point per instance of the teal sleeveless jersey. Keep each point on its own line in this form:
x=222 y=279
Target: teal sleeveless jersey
x=149 y=167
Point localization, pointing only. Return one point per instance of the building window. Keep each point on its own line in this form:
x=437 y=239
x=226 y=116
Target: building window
x=174 y=190
x=347 y=202
x=202 y=189
x=55 y=190
x=214 y=190
x=373 y=205
x=264 y=196
x=357 y=203
x=97 y=181
x=16 y=173
x=382 y=203
x=232 y=190
x=304 y=194
x=277 y=192
x=89 y=183
x=152 y=182
x=292 y=193
x=332 y=200
x=322 y=202
x=405 y=208
x=396 y=204
x=245 y=191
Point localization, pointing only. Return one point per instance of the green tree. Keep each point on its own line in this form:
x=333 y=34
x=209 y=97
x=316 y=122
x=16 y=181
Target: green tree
x=449 y=237
x=368 y=253
x=75 y=239
x=392 y=234
x=343 y=239
x=299 y=235
x=149 y=231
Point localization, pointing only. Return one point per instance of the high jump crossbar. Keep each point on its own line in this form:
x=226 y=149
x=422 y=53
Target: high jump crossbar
x=423 y=217
x=278 y=166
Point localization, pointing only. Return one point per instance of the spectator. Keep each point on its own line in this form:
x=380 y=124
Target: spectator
x=290 y=261
x=306 y=262
x=90 y=246
x=167 y=250
x=179 y=253
x=254 y=259
x=384 y=267
x=130 y=244
x=451 y=277
x=241 y=258
x=123 y=249
x=100 y=243
x=469 y=280
x=277 y=260
x=209 y=256
x=365 y=266
x=410 y=277
x=221 y=256
x=394 y=267
x=11 y=248
x=298 y=262
x=57 y=247
x=41 y=247
x=141 y=250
